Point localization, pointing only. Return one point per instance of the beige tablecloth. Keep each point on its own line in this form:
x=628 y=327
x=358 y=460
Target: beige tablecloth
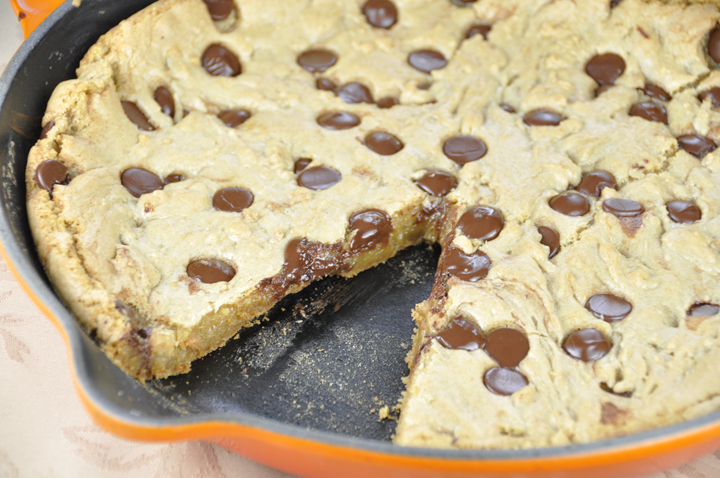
x=45 y=432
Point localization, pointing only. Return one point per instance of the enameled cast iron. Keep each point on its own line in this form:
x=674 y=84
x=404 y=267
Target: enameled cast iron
x=301 y=391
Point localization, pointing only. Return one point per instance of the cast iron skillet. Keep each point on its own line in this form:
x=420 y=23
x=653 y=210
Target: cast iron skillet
x=300 y=391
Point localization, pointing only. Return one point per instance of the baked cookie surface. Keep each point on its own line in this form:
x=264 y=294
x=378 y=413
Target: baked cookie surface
x=214 y=157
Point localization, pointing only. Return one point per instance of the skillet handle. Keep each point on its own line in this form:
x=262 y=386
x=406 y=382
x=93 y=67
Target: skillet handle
x=32 y=12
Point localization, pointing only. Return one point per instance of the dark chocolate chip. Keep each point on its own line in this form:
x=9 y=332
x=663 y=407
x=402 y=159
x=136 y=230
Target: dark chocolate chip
x=387 y=102
x=650 y=111
x=139 y=181
x=301 y=164
x=605 y=68
x=507 y=346
x=301 y=264
x=481 y=222
x=587 y=345
x=655 y=91
x=372 y=229
x=551 y=239
x=427 y=60
x=437 y=182
x=623 y=207
x=325 y=85
x=380 y=13
x=317 y=61
x=683 y=212
x=570 y=203
x=507 y=108
x=233 y=199
x=464 y=149
x=144 y=333
x=49 y=173
x=543 y=117
x=233 y=118
x=136 y=116
x=46 y=129
x=219 y=61
x=468 y=267
x=713 y=94
x=319 y=177
x=383 y=143
x=338 y=121
x=696 y=145
x=174 y=178
x=354 y=93
x=210 y=271
x=219 y=9
x=593 y=183
x=504 y=381
x=602 y=89
x=165 y=99
x=703 y=310
x=608 y=307
x=713 y=46
x=461 y=334
x=478 y=30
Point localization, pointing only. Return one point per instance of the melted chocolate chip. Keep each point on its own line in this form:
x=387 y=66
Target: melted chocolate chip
x=354 y=93
x=301 y=164
x=210 y=271
x=570 y=203
x=468 y=267
x=623 y=207
x=696 y=145
x=551 y=239
x=507 y=346
x=165 y=100
x=504 y=381
x=173 y=178
x=380 y=13
x=713 y=45
x=219 y=61
x=608 y=307
x=461 y=334
x=219 y=9
x=317 y=61
x=427 y=60
x=683 y=212
x=138 y=181
x=319 y=178
x=650 y=111
x=387 y=102
x=383 y=143
x=593 y=183
x=136 y=116
x=338 y=121
x=46 y=129
x=464 y=149
x=605 y=68
x=713 y=94
x=233 y=118
x=654 y=91
x=703 y=310
x=478 y=30
x=233 y=199
x=373 y=228
x=542 y=117
x=507 y=108
x=587 y=345
x=302 y=262
x=325 y=85
x=482 y=222
x=437 y=182
x=49 y=173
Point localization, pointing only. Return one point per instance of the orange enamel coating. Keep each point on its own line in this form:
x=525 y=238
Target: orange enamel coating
x=32 y=12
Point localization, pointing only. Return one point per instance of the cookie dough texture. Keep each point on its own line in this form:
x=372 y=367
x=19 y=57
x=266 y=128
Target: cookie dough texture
x=120 y=262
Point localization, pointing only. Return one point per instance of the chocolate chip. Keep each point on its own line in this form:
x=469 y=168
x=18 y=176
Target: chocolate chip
x=233 y=118
x=650 y=111
x=587 y=345
x=683 y=212
x=138 y=181
x=608 y=307
x=461 y=334
x=387 y=102
x=219 y=9
x=713 y=46
x=504 y=381
x=605 y=68
x=696 y=145
x=507 y=346
x=467 y=267
x=602 y=89
x=507 y=108
x=570 y=203
x=373 y=228
x=165 y=100
x=232 y=199
x=302 y=262
x=542 y=117
x=654 y=91
x=301 y=164
x=49 y=173
x=136 y=116
x=354 y=93
x=338 y=121
x=551 y=239
x=437 y=182
x=478 y=30
x=173 y=178
x=325 y=85
x=464 y=149
x=623 y=207
x=482 y=222
x=46 y=129
x=427 y=60
x=713 y=94
x=319 y=177
x=317 y=61
x=593 y=183
x=614 y=3
x=210 y=271
x=380 y=13
x=383 y=143
x=703 y=310
x=219 y=61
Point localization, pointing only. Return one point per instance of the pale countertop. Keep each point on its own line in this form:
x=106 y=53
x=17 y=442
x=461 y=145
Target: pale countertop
x=45 y=432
